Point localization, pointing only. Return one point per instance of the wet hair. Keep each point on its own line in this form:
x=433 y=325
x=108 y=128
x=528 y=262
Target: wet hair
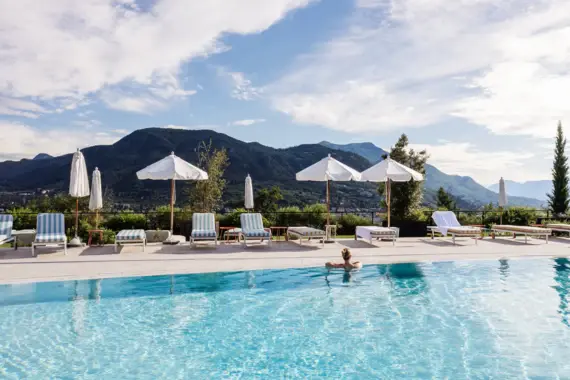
x=346 y=255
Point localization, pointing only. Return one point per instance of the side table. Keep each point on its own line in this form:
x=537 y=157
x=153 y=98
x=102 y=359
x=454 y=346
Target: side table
x=22 y=233
x=279 y=231
x=91 y=232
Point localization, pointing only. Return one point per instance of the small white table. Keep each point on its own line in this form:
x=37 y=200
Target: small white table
x=330 y=230
x=17 y=233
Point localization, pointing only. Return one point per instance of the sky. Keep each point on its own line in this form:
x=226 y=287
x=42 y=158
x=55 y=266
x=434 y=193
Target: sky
x=480 y=84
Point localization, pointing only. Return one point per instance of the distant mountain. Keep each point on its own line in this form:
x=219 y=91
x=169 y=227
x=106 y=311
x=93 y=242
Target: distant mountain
x=367 y=150
x=468 y=193
x=119 y=163
x=42 y=156
x=531 y=189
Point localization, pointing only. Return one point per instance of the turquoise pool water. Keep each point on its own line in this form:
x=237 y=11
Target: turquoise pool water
x=455 y=320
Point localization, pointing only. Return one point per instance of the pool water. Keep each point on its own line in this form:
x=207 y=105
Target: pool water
x=450 y=320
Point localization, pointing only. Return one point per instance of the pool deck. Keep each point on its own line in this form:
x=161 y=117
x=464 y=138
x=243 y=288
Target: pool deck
x=18 y=266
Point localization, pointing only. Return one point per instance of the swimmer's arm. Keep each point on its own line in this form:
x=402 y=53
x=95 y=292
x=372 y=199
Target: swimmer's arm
x=357 y=264
x=333 y=265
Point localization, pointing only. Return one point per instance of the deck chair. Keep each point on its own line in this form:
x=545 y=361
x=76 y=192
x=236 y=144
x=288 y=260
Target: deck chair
x=50 y=230
x=132 y=237
x=6 y=224
x=203 y=228
x=447 y=224
x=252 y=229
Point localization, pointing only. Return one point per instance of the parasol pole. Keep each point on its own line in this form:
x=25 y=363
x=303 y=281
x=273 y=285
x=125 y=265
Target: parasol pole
x=76 y=216
x=172 y=207
x=388 y=199
x=328 y=205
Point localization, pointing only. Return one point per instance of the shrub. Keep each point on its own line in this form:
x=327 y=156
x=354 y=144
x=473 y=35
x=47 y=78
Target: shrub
x=289 y=216
x=232 y=219
x=24 y=218
x=159 y=218
x=315 y=215
x=126 y=221
x=347 y=223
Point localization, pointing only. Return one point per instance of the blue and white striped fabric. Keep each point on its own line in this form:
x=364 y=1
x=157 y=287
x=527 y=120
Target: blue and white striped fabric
x=203 y=225
x=252 y=226
x=130 y=235
x=6 y=224
x=50 y=228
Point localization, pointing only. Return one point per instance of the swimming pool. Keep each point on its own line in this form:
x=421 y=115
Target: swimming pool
x=455 y=320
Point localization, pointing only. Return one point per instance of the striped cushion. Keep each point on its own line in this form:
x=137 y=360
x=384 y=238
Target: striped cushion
x=50 y=228
x=306 y=231
x=523 y=229
x=203 y=233
x=381 y=231
x=130 y=235
x=6 y=223
x=251 y=222
x=465 y=231
x=256 y=233
x=203 y=222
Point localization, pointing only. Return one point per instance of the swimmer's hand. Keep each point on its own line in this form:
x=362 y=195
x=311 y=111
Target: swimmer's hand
x=334 y=265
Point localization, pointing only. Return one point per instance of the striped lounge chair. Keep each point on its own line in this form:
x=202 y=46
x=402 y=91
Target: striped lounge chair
x=50 y=230
x=6 y=224
x=252 y=229
x=523 y=230
x=307 y=233
x=376 y=232
x=130 y=237
x=447 y=224
x=203 y=228
x=557 y=227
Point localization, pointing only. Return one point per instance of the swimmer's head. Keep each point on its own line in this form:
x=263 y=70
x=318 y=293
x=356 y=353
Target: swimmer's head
x=346 y=254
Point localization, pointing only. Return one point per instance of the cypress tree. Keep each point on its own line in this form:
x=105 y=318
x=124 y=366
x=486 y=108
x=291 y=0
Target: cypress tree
x=444 y=199
x=558 y=200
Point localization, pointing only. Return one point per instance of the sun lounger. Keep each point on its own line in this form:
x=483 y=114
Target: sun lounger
x=252 y=229
x=558 y=227
x=203 y=228
x=6 y=224
x=307 y=233
x=130 y=237
x=375 y=232
x=50 y=230
x=523 y=230
x=447 y=224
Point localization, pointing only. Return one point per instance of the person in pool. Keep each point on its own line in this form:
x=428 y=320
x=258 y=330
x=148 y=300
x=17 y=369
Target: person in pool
x=347 y=265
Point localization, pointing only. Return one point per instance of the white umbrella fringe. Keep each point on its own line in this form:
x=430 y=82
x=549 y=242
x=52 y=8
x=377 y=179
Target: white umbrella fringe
x=78 y=183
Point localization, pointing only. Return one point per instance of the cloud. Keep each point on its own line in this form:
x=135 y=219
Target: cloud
x=242 y=87
x=27 y=141
x=414 y=63
x=87 y=123
x=70 y=49
x=120 y=131
x=465 y=159
x=247 y=122
x=18 y=107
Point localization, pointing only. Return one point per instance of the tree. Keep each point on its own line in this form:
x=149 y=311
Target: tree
x=558 y=201
x=406 y=196
x=206 y=196
x=444 y=199
x=267 y=198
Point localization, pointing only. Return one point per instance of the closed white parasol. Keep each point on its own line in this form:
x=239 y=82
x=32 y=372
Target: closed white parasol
x=326 y=170
x=387 y=171
x=248 y=193
x=78 y=188
x=502 y=196
x=96 y=198
x=172 y=168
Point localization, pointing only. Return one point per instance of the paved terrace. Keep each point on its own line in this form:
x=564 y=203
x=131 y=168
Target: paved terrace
x=17 y=266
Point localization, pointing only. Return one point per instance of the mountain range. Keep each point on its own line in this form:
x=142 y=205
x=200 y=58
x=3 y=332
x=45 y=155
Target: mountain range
x=532 y=189
x=268 y=166
x=467 y=192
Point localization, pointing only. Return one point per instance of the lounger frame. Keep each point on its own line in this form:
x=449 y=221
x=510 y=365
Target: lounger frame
x=194 y=239
x=118 y=242
x=56 y=243
x=545 y=233
x=300 y=236
x=434 y=229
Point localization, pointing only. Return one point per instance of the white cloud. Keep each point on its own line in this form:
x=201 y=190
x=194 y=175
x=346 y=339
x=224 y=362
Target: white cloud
x=248 y=122
x=87 y=123
x=465 y=159
x=120 y=131
x=242 y=89
x=413 y=63
x=27 y=141
x=69 y=49
x=19 y=107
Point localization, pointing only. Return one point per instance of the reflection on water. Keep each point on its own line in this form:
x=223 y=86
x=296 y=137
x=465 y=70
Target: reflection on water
x=562 y=268
x=504 y=273
x=408 y=278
